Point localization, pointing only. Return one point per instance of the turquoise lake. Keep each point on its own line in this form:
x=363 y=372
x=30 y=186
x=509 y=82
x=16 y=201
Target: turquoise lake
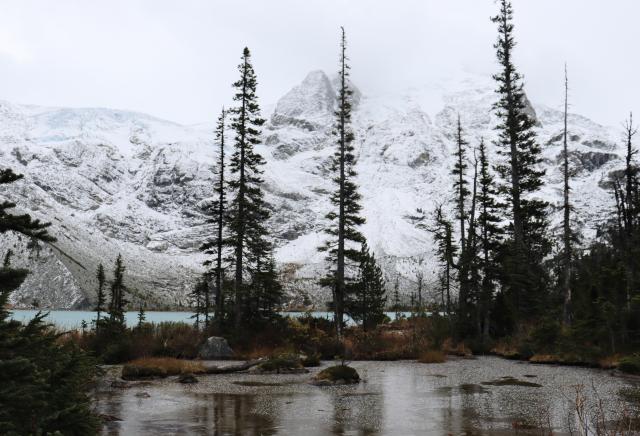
x=72 y=319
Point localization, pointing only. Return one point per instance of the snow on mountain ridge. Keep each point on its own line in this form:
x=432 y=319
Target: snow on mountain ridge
x=116 y=181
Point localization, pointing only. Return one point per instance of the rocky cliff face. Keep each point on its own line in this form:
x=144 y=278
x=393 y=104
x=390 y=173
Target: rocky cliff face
x=120 y=182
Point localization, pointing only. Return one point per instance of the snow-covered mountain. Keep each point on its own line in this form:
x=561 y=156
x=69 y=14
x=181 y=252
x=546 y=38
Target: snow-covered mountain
x=122 y=182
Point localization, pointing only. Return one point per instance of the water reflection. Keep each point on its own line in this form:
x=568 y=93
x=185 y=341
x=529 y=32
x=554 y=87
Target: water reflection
x=195 y=414
x=397 y=398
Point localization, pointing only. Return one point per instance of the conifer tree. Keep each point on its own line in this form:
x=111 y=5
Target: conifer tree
x=567 y=255
x=247 y=211
x=420 y=288
x=628 y=202
x=367 y=297
x=471 y=266
x=525 y=277
x=489 y=237
x=460 y=183
x=197 y=297
x=101 y=297
x=267 y=290
x=446 y=251
x=217 y=217
x=344 y=237
x=141 y=316
x=396 y=298
x=461 y=193
x=118 y=299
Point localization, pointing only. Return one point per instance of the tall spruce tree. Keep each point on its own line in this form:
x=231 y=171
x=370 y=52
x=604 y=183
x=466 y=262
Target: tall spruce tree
x=216 y=211
x=367 y=298
x=101 y=298
x=247 y=212
x=344 y=237
x=525 y=277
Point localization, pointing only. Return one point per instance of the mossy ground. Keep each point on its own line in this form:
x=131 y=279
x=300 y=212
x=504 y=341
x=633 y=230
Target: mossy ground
x=338 y=373
x=281 y=364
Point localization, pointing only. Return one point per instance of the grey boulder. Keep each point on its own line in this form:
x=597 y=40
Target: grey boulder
x=215 y=348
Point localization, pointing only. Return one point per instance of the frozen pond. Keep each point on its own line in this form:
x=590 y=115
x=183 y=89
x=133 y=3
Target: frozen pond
x=462 y=397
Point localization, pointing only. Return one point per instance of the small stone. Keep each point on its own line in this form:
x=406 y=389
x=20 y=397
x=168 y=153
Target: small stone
x=119 y=384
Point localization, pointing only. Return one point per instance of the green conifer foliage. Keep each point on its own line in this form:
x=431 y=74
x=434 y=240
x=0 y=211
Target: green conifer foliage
x=367 y=297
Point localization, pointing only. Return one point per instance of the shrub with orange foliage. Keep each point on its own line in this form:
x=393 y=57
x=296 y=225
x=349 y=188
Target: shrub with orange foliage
x=432 y=356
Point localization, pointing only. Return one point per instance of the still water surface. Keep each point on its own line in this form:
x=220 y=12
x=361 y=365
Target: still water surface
x=72 y=319
x=397 y=398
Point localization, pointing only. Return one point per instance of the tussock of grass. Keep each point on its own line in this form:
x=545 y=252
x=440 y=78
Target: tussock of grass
x=338 y=373
x=432 y=356
x=160 y=367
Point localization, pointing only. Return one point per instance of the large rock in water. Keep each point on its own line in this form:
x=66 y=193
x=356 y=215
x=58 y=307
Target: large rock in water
x=215 y=348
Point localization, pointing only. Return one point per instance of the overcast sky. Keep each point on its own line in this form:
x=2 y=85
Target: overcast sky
x=177 y=59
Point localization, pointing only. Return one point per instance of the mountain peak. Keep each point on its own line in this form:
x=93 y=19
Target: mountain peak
x=308 y=104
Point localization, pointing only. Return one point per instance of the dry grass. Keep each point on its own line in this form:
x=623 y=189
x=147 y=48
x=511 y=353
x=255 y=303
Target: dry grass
x=259 y=351
x=381 y=344
x=545 y=358
x=432 y=356
x=609 y=362
x=456 y=349
x=160 y=367
x=505 y=349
